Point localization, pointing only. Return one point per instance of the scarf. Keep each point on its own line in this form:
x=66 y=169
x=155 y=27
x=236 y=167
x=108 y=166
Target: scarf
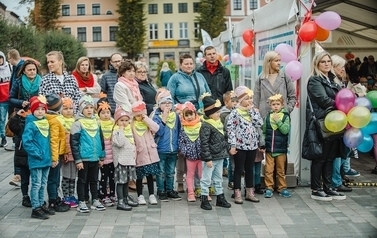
x=90 y=126
x=107 y=128
x=170 y=122
x=83 y=79
x=31 y=86
x=217 y=124
x=5 y=70
x=133 y=85
x=192 y=131
x=273 y=123
x=42 y=126
x=127 y=133
x=212 y=67
x=244 y=113
x=66 y=122
x=140 y=127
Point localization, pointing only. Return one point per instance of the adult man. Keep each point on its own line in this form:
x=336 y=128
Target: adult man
x=368 y=68
x=217 y=76
x=110 y=78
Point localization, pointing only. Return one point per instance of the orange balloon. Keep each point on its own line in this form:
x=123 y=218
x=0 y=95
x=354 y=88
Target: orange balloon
x=322 y=34
x=247 y=50
x=219 y=57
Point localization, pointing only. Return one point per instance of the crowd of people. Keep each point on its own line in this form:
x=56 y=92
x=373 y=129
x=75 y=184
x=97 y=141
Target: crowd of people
x=88 y=141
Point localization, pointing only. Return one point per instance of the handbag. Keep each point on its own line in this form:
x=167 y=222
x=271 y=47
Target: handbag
x=312 y=148
x=8 y=132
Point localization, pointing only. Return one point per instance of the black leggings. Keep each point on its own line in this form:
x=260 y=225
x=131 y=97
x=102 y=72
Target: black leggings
x=139 y=185
x=244 y=161
x=90 y=174
x=107 y=174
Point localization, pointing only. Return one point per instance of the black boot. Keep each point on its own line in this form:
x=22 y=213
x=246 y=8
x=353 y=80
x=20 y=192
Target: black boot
x=222 y=202
x=38 y=213
x=26 y=201
x=258 y=189
x=123 y=206
x=205 y=203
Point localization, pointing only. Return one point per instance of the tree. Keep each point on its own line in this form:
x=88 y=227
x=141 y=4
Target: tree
x=211 y=17
x=130 y=37
x=45 y=14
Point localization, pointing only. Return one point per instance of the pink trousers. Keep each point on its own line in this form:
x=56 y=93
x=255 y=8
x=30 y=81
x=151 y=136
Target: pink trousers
x=193 y=166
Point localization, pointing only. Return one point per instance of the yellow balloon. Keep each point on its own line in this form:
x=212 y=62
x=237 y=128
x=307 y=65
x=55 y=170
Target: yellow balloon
x=358 y=116
x=336 y=121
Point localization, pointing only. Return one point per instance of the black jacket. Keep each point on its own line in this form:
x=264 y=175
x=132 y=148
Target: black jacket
x=17 y=125
x=213 y=144
x=149 y=94
x=219 y=82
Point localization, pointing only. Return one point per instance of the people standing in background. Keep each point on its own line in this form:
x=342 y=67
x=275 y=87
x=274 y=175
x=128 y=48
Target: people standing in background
x=85 y=79
x=165 y=74
x=5 y=77
x=148 y=92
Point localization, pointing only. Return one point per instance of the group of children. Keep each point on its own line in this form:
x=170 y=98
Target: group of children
x=133 y=146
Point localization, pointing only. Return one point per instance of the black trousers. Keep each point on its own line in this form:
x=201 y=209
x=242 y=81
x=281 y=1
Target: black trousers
x=244 y=161
x=90 y=174
x=107 y=174
x=25 y=179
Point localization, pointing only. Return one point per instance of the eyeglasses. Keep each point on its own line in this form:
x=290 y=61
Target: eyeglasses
x=141 y=72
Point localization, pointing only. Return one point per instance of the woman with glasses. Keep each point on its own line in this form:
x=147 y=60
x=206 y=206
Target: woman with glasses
x=146 y=89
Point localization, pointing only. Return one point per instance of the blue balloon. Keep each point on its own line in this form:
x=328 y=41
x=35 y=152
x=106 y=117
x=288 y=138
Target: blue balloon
x=364 y=102
x=366 y=145
x=353 y=137
x=371 y=128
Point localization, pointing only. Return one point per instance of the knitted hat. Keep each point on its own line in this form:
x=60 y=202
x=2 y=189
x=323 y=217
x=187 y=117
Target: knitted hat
x=188 y=106
x=210 y=105
x=179 y=106
x=242 y=92
x=163 y=95
x=54 y=102
x=119 y=112
x=139 y=108
x=84 y=101
x=67 y=102
x=103 y=104
x=38 y=101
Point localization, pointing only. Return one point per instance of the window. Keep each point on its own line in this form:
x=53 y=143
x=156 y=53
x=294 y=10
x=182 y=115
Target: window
x=168 y=30
x=81 y=34
x=66 y=30
x=168 y=8
x=80 y=9
x=152 y=8
x=96 y=9
x=97 y=34
x=237 y=5
x=183 y=32
x=182 y=7
x=113 y=32
x=253 y=4
x=109 y=13
x=196 y=29
x=196 y=6
x=65 y=10
x=153 y=31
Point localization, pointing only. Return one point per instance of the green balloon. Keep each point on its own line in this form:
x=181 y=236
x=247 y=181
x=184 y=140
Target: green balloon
x=372 y=96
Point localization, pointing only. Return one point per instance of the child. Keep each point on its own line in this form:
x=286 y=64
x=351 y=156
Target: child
x=213 y=152
x=107 y=170
x=275 y=130
x=68 y=167
x=88 y=151
x=58 y=148
x=167 y=145
x=36 y=142
x=189 y=146
x=124 y=158
x=181 y=162
x=243 y=138
x=147 y=159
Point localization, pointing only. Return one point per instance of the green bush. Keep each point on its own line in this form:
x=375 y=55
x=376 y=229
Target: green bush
x=172 y=67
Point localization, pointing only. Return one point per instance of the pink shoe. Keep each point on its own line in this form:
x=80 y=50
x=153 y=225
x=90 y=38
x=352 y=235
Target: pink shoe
x=209 y=198
x=191 y=197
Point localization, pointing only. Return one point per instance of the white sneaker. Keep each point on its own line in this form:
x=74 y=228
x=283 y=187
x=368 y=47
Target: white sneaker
x=82 y=207
x=152 y=200
x=141 y=200
x=97 y=205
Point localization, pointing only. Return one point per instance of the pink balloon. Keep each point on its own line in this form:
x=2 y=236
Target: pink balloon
x=287 y=53
x=328 y=20
x=226 y=58
x=294 y=70
x=345 y=100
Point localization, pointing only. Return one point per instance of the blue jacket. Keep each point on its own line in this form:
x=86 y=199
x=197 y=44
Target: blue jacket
x=15 y=70
x=35 y=144
x=166 y=138
x=164 y=77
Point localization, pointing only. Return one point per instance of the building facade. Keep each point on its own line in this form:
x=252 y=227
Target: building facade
x=9 y=15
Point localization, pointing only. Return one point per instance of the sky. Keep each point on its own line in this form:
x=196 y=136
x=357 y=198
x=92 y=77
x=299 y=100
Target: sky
x=12 y=5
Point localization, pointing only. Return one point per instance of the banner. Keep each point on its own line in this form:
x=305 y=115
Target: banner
x=206 y=38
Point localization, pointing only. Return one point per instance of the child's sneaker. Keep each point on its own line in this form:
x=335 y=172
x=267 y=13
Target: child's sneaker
x=152 y=200
x=198 y=192
x=285 y=194
x=230 y=185
x=191 y=197
x=114 y=199
x=82 y=207
x=162 y=196
x=352 y=173
x=268 y=193
x=97 y=205
x=173 y=195
x=212 y=191
x=107 y=202
x=141 y=200
x=71 y=201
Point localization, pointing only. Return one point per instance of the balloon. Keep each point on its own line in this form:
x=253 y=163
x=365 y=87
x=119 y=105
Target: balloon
x=328 y=20
x=226 y=58
x=336 y=121
x=200 y=55
x=353 y=137
x=237 y=59
x=235 y=56
x=345 y=100
x=248 y=36
x=247 y=50
x=358 y=116
x=371 y=128
x=363 y=102
x=372 y=96
x=308 y=31
x=219 y=57
x=322 y=34
x=294 y=70
x=202 y=60
x=202 y=47
x=366 y=145
x=197 y=60
x=287 y=53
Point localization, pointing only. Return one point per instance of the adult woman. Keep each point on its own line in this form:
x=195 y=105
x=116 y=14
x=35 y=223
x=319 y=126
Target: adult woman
x=321 y=95
x=85 y=79
x=59 y=81
x=146 y=89
x=165 y=74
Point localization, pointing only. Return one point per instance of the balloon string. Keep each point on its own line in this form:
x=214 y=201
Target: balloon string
x=304 y=51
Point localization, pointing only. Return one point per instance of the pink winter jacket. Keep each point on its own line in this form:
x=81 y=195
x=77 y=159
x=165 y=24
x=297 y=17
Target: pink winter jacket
x=145 y=145
x=107 y=127
x=68 y=147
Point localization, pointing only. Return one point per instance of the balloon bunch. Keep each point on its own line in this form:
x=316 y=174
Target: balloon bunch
x=354 y=115
x=248 y=37
x=294 y=67
x=199 y=58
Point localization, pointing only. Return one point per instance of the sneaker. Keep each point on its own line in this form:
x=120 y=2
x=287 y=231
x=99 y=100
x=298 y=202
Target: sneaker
x=113 y=199
x=268 y=193
x=39 y=213
x=230 y=185
x=82 y=207
x=163 y=198
x=71 y=201
x=198 y=192
x=352 y=173
x=60 y=205
x=16 y=181
x=212 y=191
x=354 y=153
x=374 y=171
x=26 y=201
x=343 y=188
x=152 y=200
x=335 y=195
x=97 y=205
x=141 y=200
x=107 y=202
x=191 y=197
x=285 y=194
x=173 y=195
x=48 y=210
x=3 y=142
x=320 y=195
x=10 y=148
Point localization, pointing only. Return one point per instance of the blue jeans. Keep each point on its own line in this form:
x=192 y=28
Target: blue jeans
x=336 y=178
x=167 y=170
x=38 y=184
x=257 y=168
x=214 y=174
x=3 y=117
x=53 y=181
